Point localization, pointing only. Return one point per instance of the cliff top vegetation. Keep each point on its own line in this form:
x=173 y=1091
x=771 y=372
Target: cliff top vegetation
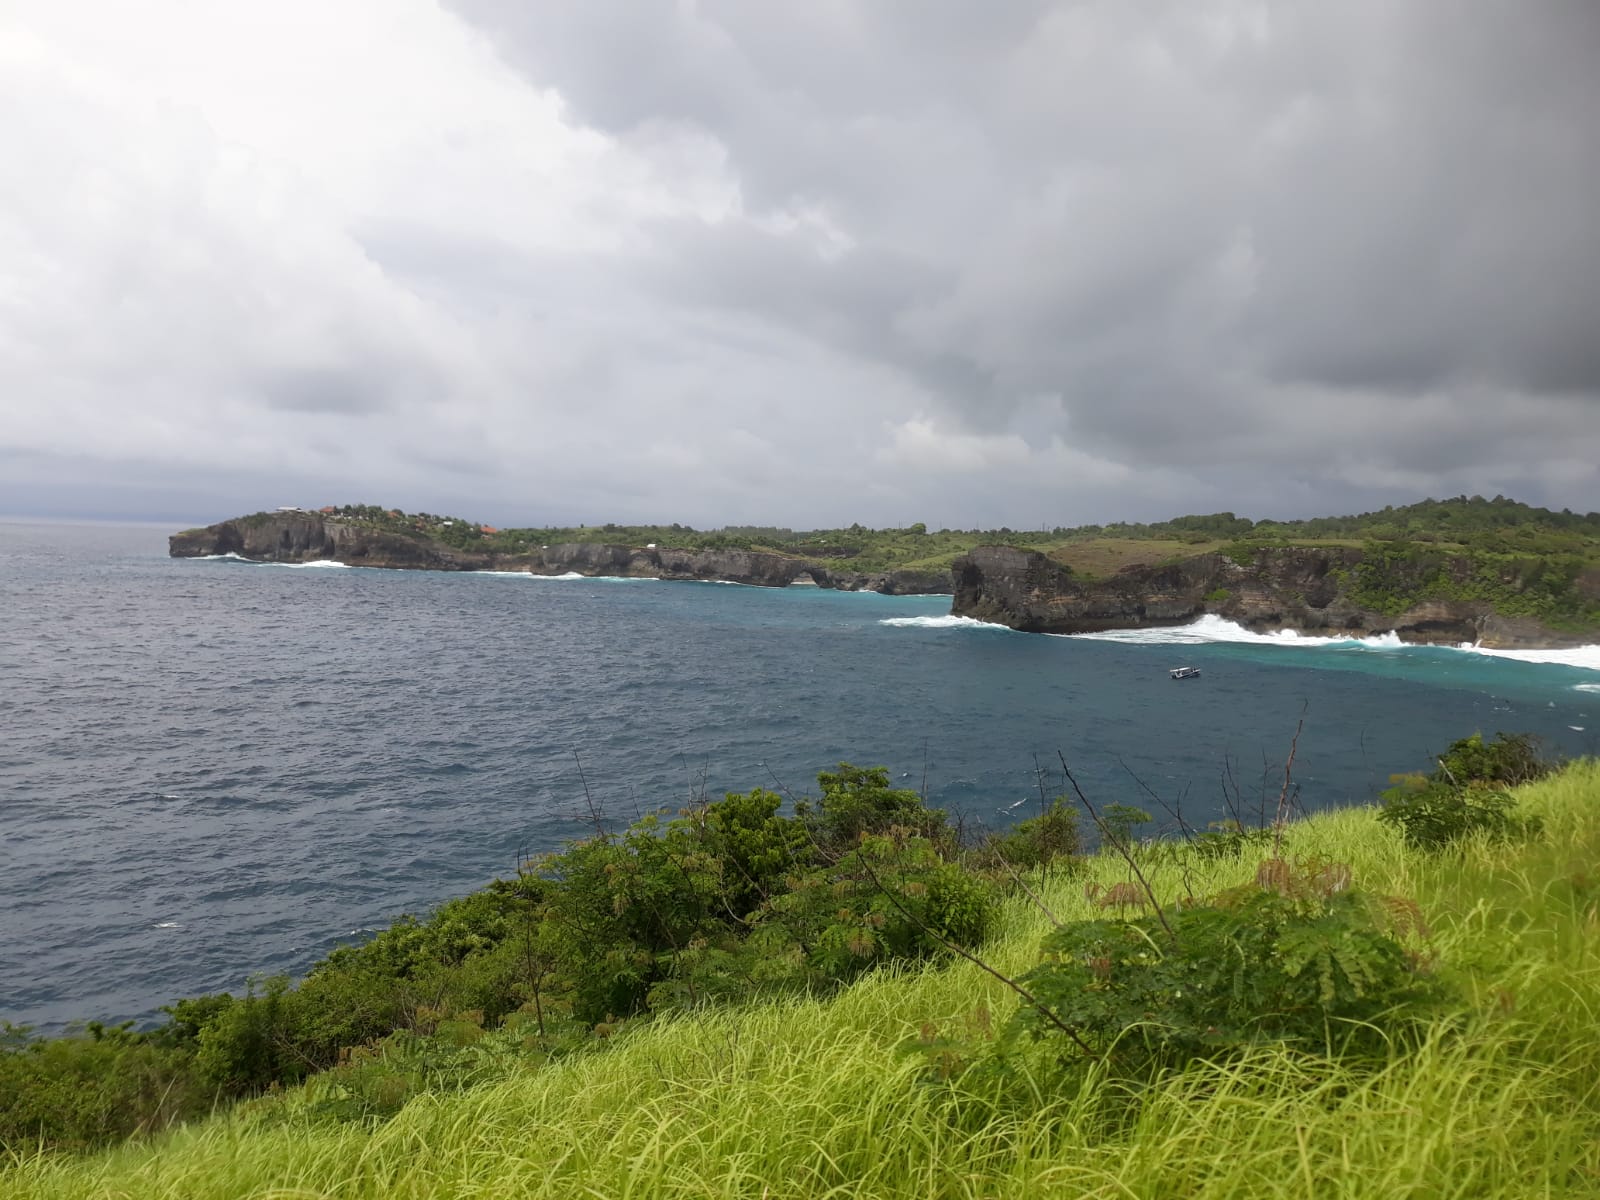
x=1464 y=523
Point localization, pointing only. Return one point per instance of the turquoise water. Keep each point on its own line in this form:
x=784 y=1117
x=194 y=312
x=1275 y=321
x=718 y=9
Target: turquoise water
x=212 y=768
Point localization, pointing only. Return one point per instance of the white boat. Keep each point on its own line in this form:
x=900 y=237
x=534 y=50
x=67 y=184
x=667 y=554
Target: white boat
x=1185 y=672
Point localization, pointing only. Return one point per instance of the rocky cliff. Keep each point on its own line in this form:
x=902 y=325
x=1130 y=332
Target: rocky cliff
x=306 y=537
x=1306 y=589
x=296 y=537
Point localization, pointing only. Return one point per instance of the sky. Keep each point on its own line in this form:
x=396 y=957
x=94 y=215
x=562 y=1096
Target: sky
x=752 y=262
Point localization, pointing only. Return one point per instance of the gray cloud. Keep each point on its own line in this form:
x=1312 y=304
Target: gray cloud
x=1199 y=225
x=322 y=390
x=727 y=261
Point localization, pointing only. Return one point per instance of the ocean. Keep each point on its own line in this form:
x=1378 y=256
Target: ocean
x=213 y=769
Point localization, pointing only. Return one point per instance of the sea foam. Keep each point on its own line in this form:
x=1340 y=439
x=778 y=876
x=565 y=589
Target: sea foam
x=1210 y=628
x=1586 y=657
x=944 y=621
x=256 y=562
x=528 y=575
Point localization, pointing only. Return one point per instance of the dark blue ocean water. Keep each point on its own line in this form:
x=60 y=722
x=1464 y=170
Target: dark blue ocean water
x=210 y=769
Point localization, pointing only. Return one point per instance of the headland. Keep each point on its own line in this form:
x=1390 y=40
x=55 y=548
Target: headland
x=1495 y=573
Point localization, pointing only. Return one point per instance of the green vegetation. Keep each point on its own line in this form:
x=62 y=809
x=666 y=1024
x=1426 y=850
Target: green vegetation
x=1350 y=1014
x=1524 y=561
x=1292 y=958
x=1466 y=795
x=729 y=900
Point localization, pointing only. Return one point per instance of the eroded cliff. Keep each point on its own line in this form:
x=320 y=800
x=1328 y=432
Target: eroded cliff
x=296 y=537
x=1306 y=589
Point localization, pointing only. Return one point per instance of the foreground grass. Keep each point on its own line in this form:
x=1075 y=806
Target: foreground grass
x=816 y=1098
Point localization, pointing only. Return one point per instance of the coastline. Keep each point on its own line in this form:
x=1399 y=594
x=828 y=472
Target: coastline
x=1271 y=591
x=302 y=539
x=1310 y=592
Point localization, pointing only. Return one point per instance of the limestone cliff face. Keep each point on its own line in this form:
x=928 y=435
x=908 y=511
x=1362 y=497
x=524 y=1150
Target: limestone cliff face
x=643 y=562
x=890 y=583
x=1301 y=589
x=310 y=537
x=306 y=537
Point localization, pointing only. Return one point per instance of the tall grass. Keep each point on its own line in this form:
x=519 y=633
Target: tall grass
x=816 y=1098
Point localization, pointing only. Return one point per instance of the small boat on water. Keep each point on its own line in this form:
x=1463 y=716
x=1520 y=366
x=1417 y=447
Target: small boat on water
x=1185 y=672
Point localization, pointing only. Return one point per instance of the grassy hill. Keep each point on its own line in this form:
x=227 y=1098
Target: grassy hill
x=1497 y=1094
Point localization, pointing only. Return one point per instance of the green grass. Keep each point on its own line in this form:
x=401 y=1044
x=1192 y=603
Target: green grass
x=1096 y=558
x=815 y=1098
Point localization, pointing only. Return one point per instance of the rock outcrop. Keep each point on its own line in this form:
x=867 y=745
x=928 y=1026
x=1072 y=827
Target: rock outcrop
x=296 y=537
x=1305 y=589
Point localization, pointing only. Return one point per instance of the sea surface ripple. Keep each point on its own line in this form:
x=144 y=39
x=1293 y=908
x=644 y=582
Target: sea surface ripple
x=215 y=769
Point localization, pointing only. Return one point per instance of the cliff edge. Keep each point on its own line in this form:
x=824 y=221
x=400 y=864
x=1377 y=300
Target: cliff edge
x=1313 y=590
x=298 y=537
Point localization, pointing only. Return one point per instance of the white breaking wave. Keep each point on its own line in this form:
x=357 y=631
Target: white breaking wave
x=256 y=562
x=1587 y=657
x=1210 y=628
x=528 y=575
x=567 y=577
x=1586 y=687
x=945 y=621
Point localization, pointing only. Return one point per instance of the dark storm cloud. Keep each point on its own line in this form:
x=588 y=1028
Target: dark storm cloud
x=1219 y=228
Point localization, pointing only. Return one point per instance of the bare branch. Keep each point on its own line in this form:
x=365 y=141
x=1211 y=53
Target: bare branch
x=1280 y=820
x=1119 y=846
x=595 y=816
x=1028 y=997
x=1175 y=813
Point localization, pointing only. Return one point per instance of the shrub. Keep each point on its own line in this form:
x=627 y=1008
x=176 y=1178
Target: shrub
x=892 y=897
x=1241 y=553
x=728 y=900
x=1296 y=957
x=84 y=1090
x=1040 y=841
x=1511 y=759
x=857 y=800
x=1466 y=794
x=1431 y=814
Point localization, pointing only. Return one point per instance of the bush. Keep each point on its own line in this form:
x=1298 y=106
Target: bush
x=1431 y=814
x=729 y=900
x=1036 y=842
x=858 y=800
x=1295 y=957
x=892 y=897
x=1511 y=759
x=84 y=1090
x=1466 y=794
